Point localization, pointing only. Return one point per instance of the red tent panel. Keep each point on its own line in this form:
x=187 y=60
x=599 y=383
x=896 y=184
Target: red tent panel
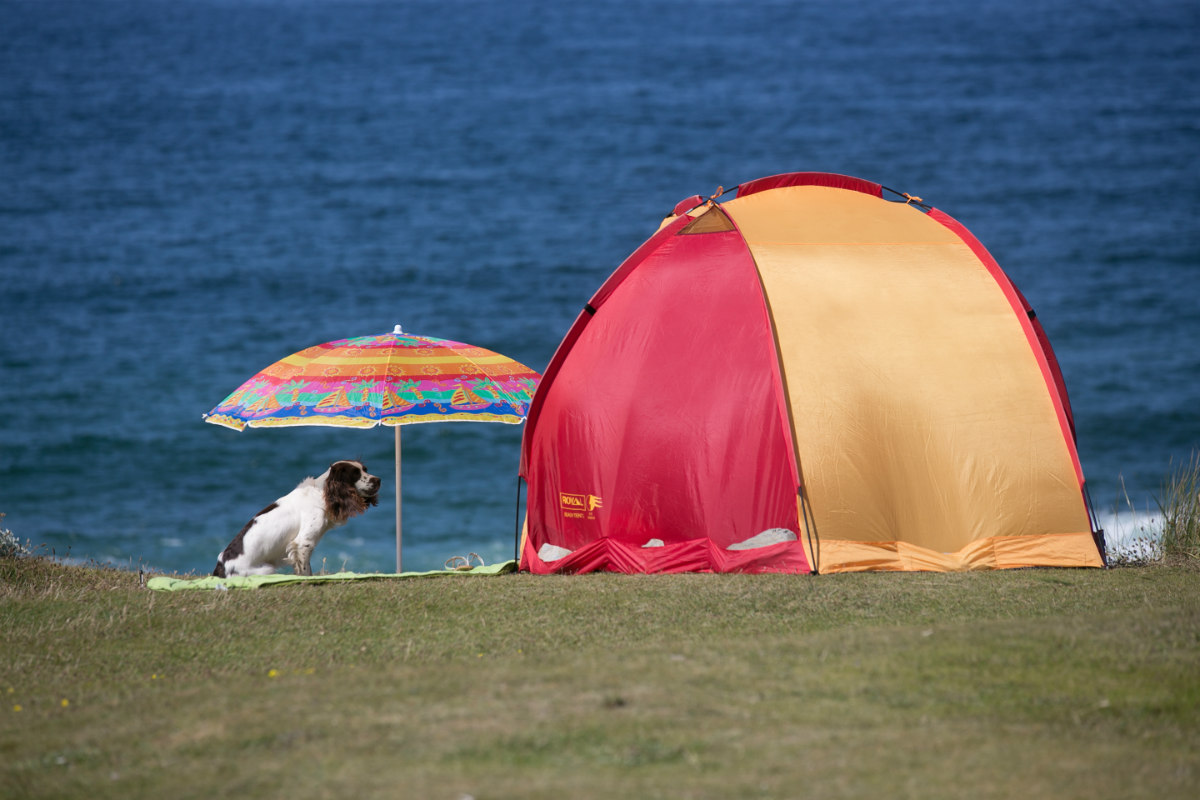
x=647 y=367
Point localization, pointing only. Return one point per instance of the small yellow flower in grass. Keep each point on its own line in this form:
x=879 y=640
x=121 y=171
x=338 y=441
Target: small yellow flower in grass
x=65 y=702
x=17 y=707
x=272 y=674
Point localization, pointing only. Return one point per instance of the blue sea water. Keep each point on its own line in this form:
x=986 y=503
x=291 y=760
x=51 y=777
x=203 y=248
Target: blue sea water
x=193 y=189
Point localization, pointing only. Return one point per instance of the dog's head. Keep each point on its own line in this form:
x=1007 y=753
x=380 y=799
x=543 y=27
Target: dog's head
x=350 y=489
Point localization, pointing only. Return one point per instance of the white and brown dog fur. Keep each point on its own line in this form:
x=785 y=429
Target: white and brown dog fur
x=288 y=530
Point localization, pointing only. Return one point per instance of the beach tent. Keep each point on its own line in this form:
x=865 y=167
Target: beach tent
x=805 y=378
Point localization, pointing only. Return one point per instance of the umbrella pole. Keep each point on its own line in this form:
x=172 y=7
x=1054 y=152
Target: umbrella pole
x=397 y=500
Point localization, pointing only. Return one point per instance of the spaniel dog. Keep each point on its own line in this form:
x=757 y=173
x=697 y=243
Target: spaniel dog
x=288 y=530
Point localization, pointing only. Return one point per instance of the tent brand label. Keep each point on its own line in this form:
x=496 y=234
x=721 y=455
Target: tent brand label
x=579 y=506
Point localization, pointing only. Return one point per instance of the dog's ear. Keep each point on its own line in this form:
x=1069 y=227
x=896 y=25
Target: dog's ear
x=342 y=499
x=344 y=472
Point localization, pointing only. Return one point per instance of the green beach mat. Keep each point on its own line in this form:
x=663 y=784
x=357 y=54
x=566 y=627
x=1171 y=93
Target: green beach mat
x=162 y=583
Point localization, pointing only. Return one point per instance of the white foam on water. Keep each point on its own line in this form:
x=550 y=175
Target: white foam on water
x=1130 y=532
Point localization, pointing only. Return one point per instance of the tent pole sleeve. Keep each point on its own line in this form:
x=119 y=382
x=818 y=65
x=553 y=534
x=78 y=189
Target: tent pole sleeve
x=1097 y=531
x=810 y=531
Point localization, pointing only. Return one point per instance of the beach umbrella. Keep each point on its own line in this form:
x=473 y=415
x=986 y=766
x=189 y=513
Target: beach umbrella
x=392 y=379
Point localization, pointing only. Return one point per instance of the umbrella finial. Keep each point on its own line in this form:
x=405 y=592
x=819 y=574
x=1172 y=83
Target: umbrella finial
x=397 y=332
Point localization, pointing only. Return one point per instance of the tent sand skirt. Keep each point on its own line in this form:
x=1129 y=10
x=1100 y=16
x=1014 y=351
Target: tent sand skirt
x=865 y=376
x=1000 y=552
x=696 y=555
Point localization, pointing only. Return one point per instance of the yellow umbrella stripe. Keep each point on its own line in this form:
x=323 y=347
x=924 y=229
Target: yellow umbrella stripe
x=454 y=360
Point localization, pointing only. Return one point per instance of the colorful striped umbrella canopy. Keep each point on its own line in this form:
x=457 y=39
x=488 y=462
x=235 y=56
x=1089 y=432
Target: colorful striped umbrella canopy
x=392 y=379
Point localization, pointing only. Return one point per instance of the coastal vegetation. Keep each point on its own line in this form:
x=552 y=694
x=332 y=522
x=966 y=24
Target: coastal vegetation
x=1173 y=533
x=10 y=545
x=1179 y=507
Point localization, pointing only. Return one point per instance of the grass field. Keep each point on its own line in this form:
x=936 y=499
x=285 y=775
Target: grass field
x=1030 y=684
